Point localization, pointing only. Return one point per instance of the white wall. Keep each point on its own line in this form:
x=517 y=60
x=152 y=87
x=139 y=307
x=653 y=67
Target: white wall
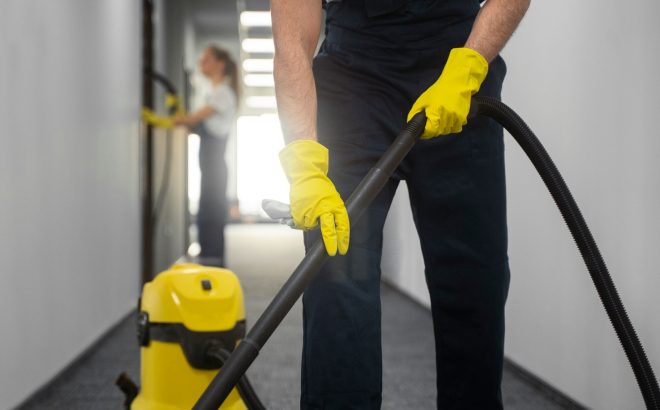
x=69 y=200
x=584 y=77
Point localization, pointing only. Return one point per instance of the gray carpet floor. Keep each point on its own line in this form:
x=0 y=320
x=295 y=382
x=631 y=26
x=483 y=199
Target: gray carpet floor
x=263 y=256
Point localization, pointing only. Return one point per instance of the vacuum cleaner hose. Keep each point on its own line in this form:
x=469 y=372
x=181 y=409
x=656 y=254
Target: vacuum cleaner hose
x=361 y=198
x=245 y=389
x=609 y=296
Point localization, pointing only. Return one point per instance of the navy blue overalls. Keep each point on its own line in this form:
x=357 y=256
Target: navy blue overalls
x=377 y=58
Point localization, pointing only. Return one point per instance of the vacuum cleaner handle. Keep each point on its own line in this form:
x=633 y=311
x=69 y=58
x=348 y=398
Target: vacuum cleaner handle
x=248 y=349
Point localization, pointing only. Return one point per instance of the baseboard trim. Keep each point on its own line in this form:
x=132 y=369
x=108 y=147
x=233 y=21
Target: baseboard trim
x=541 y=385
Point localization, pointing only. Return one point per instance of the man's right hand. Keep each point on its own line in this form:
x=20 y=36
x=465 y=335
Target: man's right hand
x=314 y=198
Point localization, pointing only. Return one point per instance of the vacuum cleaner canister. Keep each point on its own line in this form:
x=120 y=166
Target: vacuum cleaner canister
x=186 y=313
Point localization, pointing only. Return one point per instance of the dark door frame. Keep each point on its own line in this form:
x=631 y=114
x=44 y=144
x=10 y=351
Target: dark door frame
x=148 y=250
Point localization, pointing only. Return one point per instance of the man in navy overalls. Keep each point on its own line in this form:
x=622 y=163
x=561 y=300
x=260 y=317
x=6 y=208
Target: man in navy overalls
x=381 y=62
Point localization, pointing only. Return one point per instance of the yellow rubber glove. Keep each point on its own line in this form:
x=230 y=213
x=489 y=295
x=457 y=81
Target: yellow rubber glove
x=313 y=196
x=156 y=120
x=447 y=101
x=173 y=103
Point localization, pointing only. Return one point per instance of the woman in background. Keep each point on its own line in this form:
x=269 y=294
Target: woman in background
x=213 y=123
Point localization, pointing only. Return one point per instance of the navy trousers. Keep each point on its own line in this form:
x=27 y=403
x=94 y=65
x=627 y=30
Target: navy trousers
x=213 y=209
x=457 y=191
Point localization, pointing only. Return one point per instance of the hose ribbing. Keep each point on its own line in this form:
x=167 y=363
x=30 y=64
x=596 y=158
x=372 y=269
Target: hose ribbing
x=600 y=276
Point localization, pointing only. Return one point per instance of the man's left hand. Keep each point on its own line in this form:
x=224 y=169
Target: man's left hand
x=447 y=102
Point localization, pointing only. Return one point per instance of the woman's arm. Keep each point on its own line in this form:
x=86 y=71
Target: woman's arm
x=196 y=117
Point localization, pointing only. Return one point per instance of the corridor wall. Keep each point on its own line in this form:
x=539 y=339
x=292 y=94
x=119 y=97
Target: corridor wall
x=70 y=96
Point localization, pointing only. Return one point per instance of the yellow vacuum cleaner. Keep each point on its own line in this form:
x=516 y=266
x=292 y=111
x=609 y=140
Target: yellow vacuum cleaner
x=190 y=318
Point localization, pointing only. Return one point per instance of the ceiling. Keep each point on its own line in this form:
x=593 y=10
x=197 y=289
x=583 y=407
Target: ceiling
x=220 y=17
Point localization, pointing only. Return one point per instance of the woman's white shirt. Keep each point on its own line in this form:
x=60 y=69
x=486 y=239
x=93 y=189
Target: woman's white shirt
x=223 y=100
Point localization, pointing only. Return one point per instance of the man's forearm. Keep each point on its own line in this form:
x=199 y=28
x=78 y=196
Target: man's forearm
x=296 y=97
x=494 y=25
x=296 y=29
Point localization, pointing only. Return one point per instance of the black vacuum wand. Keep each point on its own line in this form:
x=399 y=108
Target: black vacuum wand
x=248 y=349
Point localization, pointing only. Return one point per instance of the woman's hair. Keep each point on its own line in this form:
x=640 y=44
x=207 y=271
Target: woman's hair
x=230 y=67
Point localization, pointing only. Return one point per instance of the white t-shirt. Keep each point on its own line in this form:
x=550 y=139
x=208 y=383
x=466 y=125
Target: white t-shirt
x=223 y=100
